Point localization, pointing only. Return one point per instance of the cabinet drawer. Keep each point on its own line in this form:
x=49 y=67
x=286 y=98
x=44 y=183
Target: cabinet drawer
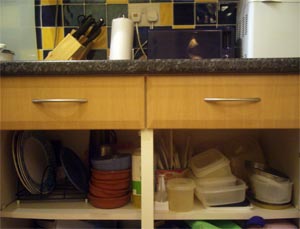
x=104 y=102
x=179 y=102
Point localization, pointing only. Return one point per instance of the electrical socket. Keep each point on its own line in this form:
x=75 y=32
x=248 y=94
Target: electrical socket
x=142 y=9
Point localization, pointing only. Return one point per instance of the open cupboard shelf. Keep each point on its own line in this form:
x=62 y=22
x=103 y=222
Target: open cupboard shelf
x=275 y=144
x=68 y=210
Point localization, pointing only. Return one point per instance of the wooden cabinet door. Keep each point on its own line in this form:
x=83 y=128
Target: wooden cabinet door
x=251 y=101
x=80 y=102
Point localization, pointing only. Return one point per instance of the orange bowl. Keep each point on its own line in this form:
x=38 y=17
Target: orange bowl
x=97 y=192
x=109 y=203
x=111 y=184
x=111 y=175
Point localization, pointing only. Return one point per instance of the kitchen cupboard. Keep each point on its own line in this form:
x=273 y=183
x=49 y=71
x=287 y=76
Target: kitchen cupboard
x=168 y=102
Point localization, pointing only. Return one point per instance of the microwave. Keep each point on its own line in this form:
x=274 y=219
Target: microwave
x=190 y=44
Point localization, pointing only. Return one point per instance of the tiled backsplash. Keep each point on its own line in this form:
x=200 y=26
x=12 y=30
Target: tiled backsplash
x=56 y=18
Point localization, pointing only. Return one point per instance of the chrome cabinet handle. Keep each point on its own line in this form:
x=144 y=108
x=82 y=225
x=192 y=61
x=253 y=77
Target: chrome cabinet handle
x=59 y=100
x=251 y=100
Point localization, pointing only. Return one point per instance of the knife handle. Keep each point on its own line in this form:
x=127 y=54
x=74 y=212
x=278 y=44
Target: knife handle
x=84 y=27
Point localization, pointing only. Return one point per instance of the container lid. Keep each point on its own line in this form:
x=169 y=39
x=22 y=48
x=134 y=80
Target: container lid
x=208 y=161
x=240 y=185
x=181 y=184
x=216 y=181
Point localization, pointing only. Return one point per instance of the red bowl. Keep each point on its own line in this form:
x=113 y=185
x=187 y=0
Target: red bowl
x=109 y=203
x=111 y=175
x=97 y=192
x=111 y=184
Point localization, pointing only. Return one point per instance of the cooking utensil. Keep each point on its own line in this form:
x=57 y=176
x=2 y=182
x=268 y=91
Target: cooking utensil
x=85 y=25
x=95 y=31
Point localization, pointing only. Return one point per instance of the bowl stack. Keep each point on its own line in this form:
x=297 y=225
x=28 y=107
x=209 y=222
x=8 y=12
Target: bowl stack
x=110 y=181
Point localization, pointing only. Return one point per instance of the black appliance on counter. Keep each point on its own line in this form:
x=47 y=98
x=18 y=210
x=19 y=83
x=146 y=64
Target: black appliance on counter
x=191 y=44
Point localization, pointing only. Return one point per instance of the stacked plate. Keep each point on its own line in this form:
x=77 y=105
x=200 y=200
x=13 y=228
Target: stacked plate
x=34 y=160
x=109 y=189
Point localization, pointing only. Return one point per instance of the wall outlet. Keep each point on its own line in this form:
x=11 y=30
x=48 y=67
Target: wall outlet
x=147 y=11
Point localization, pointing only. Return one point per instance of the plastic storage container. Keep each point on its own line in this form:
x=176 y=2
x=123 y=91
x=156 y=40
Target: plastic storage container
x=210 y=163
x=216 y=181
x=221 y=195
x=271 y=191
x=181 y=194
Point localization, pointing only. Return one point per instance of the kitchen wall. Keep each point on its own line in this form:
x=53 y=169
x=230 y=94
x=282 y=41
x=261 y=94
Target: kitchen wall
x=56 y=18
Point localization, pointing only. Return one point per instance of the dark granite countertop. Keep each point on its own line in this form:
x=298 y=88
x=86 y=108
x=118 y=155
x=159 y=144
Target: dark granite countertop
x=137 y=67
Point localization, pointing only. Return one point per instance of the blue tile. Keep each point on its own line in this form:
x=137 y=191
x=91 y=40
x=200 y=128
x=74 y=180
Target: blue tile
x=143 y=32
x=206 y=13
x=37 y=2
x=71 y=13
x=138 y=1
x=49 y=14
x=95 y=1
x=183 y=13
x=227 y=13
x=37 y=15
x=97 y=11
x=95 y=54
x=183 y=0
x=115 y=11
x=68 y=30
x=45 y=53
x=73 y=1
x=38 y=32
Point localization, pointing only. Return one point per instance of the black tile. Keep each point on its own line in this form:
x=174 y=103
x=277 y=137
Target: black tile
x=71 y=13
x=206 y=13
x=183 y=13
x=227 y=13
x=37 y=2
x=49 y=15
x=95 y=54
x=37 y=15
x=38 y=32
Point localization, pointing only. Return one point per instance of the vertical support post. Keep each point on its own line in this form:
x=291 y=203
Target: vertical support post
x=147 y=169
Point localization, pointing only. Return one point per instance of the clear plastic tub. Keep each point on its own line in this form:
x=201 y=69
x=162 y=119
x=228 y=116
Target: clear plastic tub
x=181 y=194
x=221 y=195
x=271 y=191
x=210 y=163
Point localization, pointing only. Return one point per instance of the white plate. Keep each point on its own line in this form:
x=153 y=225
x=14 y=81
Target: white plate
x=36 y=158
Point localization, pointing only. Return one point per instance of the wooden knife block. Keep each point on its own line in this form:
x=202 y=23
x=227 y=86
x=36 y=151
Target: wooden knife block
x=69 y=49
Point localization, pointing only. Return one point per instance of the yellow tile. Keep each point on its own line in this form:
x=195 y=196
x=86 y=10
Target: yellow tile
x=117 y=1
x=183 y=27
x=50 y=2
x=48 y=36
x=166 y=14
x=101 y=41
x=40 y=54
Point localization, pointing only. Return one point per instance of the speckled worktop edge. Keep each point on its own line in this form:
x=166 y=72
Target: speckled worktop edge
x=153 y=67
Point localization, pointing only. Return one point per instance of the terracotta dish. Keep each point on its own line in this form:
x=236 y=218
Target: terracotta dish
x=111 y=184
x=109 y=203
x=111 y=175
x=97 y=192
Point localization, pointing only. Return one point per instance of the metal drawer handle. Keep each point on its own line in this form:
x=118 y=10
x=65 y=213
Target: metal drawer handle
x=59 y=100
x=251 y=100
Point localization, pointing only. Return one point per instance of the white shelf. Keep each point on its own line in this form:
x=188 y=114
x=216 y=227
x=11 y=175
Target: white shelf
x=199 y=212
x=67 y=210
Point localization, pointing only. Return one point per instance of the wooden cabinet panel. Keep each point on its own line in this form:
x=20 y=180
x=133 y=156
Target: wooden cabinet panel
x=178 y=102
x=112 y=102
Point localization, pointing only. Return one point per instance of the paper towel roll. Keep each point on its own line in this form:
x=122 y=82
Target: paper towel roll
x=121 y=39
